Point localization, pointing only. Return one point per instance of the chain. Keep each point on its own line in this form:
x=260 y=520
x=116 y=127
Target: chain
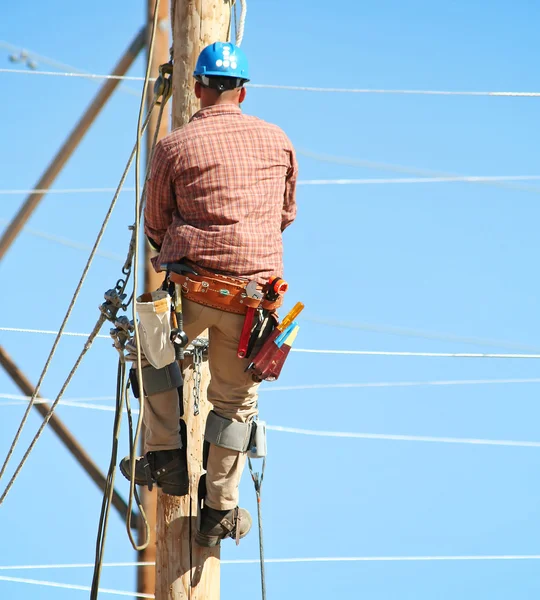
x=199 y=349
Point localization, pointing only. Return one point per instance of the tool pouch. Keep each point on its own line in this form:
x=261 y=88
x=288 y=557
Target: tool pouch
x=154 y=310
x=268 y=362
x=258 y=440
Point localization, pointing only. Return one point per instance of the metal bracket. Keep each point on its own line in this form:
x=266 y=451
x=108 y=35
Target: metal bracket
x=163 y=84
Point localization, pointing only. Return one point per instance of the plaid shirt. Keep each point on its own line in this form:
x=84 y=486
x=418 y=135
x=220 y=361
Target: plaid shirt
x=220 y=193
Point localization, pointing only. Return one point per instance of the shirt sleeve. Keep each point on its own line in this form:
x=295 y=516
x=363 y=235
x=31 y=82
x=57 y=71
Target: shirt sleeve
x=160 y=199
x=288 y=214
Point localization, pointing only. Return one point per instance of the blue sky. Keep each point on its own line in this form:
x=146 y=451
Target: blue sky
x=454 y=258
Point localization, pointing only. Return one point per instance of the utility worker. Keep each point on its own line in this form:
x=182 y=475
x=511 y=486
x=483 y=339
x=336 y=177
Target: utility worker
x=220 y=193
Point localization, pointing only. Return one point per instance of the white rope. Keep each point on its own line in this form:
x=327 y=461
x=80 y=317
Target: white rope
x=316 y=351
x=69 y=586
x=241 y=23
x=404 y=438
x=289 y=87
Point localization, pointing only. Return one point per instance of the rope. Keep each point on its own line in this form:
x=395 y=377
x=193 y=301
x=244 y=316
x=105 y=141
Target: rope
x=257 y=482
x=294 y=88
x=405 y=438
x=109 y=484
x=241 y=23
x=71 y=586
x=135 y=250
x=59 y=334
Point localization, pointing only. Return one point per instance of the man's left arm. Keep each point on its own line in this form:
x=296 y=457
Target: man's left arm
x=288 y=214
x=160 y=198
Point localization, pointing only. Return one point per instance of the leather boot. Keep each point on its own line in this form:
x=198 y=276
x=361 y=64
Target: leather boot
x=165 y=468
x=215 y=525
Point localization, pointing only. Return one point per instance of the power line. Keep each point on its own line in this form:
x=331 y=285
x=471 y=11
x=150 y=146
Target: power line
x=67 y=242
x=364 y=181
x=417 y=180
x=351 y=435
x=70 y=586
x=318 y=351
x=418 y=354
x=296 y=88
x=404 y=438
x=419 y=333
x=370 y=164
x=394 y=384
x=102 y=190
x=324 y=559
x=54 y=63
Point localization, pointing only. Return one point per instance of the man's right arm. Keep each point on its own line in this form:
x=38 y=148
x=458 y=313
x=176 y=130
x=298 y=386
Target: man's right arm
x=160 y=199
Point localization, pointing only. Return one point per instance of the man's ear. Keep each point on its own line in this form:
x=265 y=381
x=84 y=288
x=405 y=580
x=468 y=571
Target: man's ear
x=242 y=96
x=197 y=90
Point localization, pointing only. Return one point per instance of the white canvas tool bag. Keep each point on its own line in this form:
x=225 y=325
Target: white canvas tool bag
x=154 y=310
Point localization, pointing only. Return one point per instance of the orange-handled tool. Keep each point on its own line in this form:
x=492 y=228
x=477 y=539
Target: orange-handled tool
x=295 y=311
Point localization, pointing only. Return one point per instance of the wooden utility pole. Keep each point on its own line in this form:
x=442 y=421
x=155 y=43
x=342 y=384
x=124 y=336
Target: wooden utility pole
x=146 y=576
x=71 y=143
x=184 y=570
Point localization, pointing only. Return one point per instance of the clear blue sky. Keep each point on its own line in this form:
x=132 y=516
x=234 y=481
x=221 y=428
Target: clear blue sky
x=455 y=258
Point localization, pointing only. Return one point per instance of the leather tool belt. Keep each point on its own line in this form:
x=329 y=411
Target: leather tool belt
x=220 y=291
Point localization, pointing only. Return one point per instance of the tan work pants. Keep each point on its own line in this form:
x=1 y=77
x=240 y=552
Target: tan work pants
x=231 y=391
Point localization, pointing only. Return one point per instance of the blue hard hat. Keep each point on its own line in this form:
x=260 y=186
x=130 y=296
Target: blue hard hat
x=222 y=59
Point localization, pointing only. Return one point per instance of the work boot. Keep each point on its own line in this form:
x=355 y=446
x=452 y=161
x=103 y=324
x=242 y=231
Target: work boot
x=165 y=468
x=216 y=525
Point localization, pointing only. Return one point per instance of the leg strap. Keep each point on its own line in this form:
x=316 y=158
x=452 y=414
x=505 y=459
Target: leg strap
x=227 y=433
x=157 y=380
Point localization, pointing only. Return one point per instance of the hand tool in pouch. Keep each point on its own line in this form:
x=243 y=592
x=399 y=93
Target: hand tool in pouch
x=253 y=293
x=267 y=364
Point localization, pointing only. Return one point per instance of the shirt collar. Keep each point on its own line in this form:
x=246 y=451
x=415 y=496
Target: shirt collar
x=216 y=109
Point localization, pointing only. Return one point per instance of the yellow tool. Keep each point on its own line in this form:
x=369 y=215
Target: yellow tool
x=295 y=311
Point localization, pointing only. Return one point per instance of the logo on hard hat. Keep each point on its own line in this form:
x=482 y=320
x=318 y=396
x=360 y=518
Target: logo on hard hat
x=228 y=60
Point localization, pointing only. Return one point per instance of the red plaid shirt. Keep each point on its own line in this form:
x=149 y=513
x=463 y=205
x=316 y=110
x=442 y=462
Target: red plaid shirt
x=221 y=191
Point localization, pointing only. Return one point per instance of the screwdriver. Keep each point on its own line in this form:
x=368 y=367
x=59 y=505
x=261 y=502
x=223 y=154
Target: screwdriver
x=295 y=311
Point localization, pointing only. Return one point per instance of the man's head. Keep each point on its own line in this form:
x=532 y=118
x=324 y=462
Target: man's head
x=220 y=74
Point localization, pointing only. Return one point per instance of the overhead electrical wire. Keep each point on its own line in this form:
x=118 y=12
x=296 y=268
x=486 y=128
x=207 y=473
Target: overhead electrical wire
x=297 y=88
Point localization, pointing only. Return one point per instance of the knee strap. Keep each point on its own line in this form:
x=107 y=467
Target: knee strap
x=227 y=433
x=157 y=380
